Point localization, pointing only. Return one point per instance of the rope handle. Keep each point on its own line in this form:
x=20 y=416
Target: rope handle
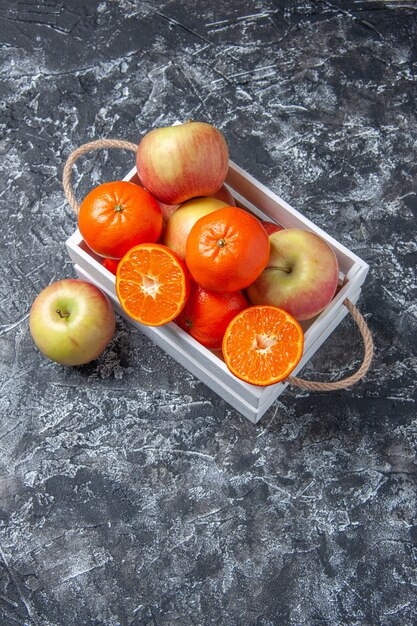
x=293 y=380
x=84 y=149
x=361 y=371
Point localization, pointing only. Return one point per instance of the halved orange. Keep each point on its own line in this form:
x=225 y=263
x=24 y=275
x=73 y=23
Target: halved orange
x=152 y=284
x=262 y=345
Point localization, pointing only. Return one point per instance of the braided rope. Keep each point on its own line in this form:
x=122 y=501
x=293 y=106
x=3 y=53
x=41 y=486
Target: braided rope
x=89 y=147
x=360 y=373
x=293 y=380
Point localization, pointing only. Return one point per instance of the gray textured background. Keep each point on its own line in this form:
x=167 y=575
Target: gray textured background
x=129 y=492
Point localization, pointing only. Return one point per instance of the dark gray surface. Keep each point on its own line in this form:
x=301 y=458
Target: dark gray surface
x=130 y=493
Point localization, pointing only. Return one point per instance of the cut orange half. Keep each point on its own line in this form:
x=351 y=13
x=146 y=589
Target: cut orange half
x=262 y=345
x=152 y=284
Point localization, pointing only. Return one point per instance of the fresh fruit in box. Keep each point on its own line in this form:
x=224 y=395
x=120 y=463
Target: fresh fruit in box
x=207 y=314
x=270 y=227
x=183 y=219
x=118 y=215
x=71 y=322
x=223 y=194
x=111 y=265
x=262 y=345
x=301 y=276
x=152 y=284
x=288 y=275
x=227 y=250
x=177 y=163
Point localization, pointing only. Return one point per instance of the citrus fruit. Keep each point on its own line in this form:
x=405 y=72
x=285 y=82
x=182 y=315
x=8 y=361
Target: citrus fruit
x=111 y=265
x=118 y=215
x=262 y=345
x=180 y=223
x=208 y=313
x=227 y=250
x=152 y=284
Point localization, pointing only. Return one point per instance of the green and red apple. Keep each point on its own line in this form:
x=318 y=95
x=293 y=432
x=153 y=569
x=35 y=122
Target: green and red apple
x=223 y=194
x=71 y=321
x=176 y=163
x=183 y=219
x=301 y=276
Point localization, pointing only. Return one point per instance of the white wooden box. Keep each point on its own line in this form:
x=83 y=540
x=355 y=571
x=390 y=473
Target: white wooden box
x=250 y=400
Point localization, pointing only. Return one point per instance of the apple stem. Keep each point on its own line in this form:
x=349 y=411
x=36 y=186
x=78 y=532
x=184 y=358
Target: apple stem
x=62 y=315
x=282 y=269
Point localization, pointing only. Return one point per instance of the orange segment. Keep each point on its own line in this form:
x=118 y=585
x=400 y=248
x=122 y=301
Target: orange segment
x=262 y=345
x=152 y=284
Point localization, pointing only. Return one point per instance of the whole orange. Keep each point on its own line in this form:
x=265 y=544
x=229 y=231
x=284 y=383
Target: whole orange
x=227 y=250
x=207 y=314
x=118 y=215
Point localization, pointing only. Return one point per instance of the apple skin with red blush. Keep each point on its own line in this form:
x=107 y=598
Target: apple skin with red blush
x=301 y=276
x=184 y=161
x=71 y=321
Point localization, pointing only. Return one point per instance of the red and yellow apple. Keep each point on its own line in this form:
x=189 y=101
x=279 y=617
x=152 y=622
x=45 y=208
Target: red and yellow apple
x=301 y=276
x=270 y=227
x=71 y=322
x=176 y=163
x=183 y=219
x=223 y=194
